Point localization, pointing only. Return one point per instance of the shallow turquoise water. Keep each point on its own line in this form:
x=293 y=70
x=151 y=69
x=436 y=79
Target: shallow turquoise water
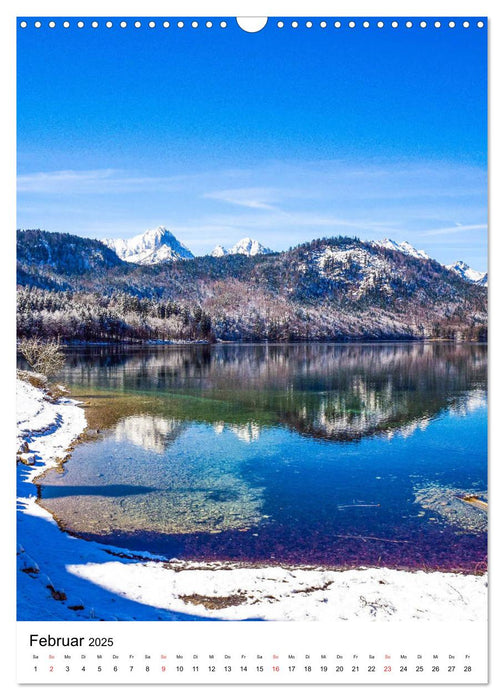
x=303 y=454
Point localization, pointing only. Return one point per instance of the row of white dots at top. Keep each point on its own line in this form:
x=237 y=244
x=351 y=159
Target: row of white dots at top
x=280 y=24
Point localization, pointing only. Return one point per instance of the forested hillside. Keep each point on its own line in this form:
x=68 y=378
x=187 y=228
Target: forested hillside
x=330 y=289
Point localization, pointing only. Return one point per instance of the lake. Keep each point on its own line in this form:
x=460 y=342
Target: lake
x=306 y=454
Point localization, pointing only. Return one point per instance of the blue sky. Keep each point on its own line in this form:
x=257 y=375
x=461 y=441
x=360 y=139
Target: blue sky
x=284 y=135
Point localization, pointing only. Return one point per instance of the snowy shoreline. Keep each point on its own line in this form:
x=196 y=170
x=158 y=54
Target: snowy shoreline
x=61 y=577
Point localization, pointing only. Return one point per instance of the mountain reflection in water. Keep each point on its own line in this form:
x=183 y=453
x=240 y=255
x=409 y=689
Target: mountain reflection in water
x=326 y=391
x=294 y=453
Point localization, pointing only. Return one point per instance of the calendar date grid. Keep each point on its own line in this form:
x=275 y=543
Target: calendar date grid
x=251 y=664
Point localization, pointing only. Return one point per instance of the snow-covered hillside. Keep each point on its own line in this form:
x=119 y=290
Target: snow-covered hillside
x=331 y=288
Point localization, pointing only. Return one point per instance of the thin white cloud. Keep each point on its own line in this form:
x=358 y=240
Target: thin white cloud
x=458 y=228
x=103 y=181
x=250 y=197
x=47 y=181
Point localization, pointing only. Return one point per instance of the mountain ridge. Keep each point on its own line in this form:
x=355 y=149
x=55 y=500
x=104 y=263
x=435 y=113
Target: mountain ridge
x=328 y=289
x=159 y=245
x=460 y=268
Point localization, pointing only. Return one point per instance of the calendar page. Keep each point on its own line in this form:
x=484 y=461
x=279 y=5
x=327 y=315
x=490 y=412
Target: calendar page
x=251 y=349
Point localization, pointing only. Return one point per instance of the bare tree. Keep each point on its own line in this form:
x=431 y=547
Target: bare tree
x=45 y=357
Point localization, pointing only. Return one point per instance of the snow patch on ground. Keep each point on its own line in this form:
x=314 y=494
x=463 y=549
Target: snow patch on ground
x=47 y=427
x=279 y=593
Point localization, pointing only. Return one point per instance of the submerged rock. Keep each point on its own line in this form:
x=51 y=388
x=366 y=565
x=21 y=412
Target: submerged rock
x=457 y=508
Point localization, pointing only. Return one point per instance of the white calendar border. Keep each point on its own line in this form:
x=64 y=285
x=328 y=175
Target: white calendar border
x=314 y=8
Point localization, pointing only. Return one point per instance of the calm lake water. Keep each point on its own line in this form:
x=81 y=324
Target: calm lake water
x=337 y=455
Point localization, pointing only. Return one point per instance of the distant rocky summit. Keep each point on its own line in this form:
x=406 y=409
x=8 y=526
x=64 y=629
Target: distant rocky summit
x=154 y=246
x=245 y=246
x=460 y=268
x=467 y=273
x=403 y=247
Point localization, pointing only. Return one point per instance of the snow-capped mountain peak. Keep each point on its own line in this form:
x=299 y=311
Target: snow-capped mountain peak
x=403 y=247
x=463 y=270
x=460 y=268
x=219 y=251
x=154 y=246
x=246 y=246
x=249 y=246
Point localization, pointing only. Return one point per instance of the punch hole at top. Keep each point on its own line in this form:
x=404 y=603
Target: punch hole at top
x=252 y=24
